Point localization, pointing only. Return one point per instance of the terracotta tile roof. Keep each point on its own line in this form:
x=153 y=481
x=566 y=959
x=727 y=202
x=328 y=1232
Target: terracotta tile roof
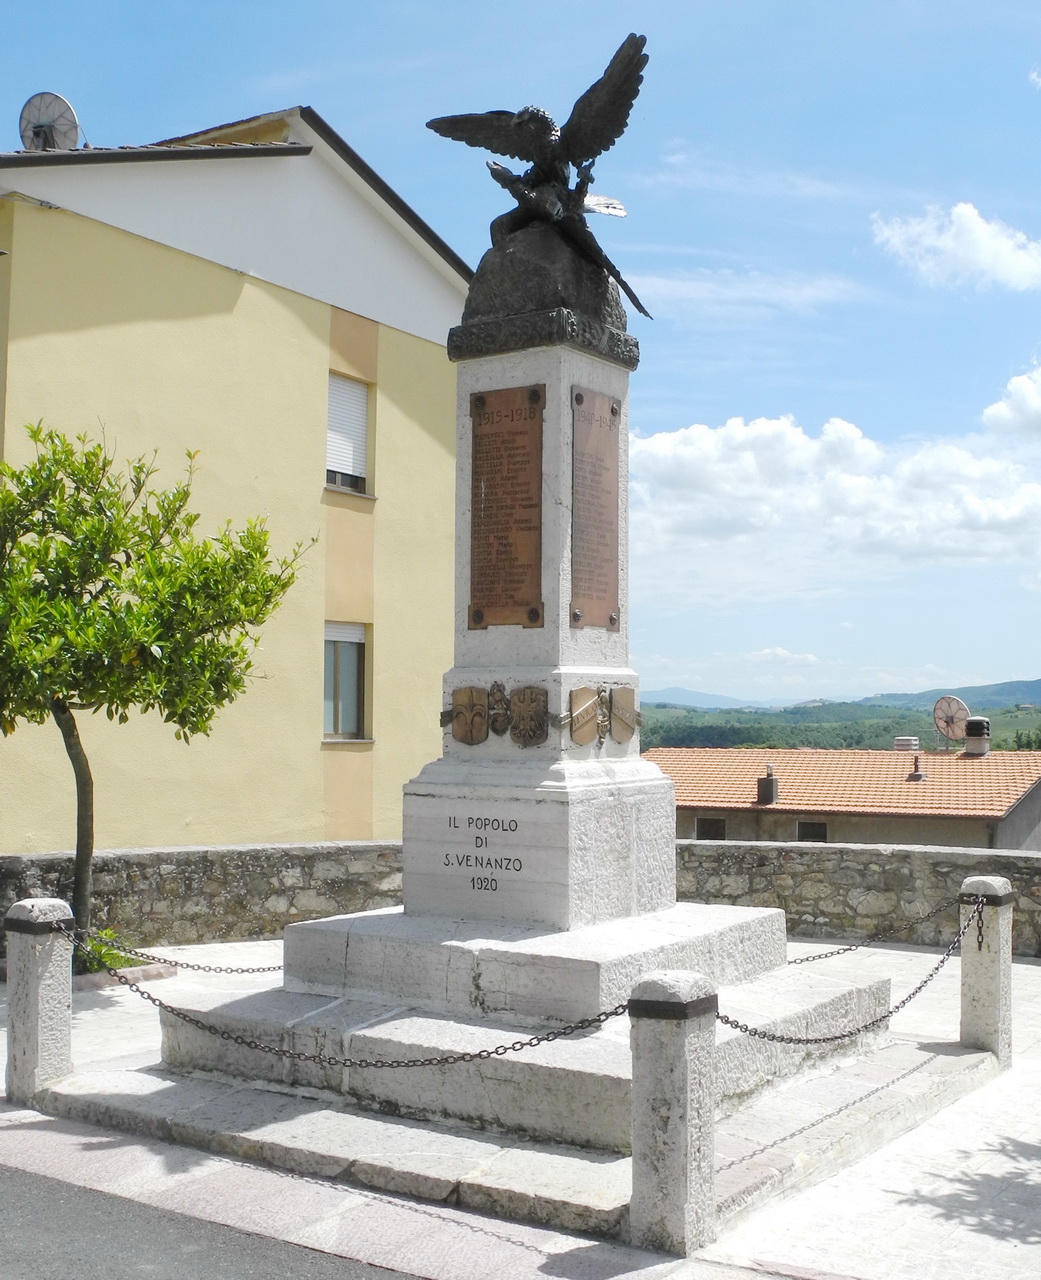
x=956 y=785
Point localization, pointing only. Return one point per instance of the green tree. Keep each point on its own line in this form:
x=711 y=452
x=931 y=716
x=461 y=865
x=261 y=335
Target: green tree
x=109 y=601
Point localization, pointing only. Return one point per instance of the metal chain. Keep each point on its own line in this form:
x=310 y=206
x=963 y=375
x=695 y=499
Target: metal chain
x=484 y=1055
x=125 y=950
x=445 y=1060
x=774 y=1038
x=877 y=937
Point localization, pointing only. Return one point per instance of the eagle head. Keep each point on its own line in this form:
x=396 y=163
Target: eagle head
x=535 y=119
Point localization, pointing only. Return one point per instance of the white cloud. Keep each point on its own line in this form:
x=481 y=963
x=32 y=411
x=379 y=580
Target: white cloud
x=1019 y=409
x=782 y=657
x=1035 y=77
x=693 y=170
x=739 y=296
x=962 y=247
x=761 y=510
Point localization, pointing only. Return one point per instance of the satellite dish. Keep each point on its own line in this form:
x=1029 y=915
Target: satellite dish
x=950 y=715
x=48 y=123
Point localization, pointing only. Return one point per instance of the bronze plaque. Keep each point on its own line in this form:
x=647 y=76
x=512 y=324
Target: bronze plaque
x=470 y=715
x=506 y=520
x=594 y=509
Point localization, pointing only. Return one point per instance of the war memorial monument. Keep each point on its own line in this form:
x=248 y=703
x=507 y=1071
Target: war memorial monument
x=540 y=981
x=539 y=876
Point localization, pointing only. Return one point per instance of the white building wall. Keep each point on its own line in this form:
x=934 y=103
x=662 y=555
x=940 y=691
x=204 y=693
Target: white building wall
x=313 y=226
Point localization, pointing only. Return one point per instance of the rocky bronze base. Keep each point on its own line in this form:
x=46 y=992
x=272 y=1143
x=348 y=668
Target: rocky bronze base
x=558 y=328
x=533 y=289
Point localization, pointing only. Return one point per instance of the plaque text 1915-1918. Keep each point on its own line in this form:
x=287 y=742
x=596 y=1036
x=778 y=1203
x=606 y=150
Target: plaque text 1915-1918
x=506 y=521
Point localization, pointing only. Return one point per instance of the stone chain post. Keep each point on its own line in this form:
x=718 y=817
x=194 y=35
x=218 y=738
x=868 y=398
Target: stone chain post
x=986 y=972
x=673 y=1038
x=39 y=997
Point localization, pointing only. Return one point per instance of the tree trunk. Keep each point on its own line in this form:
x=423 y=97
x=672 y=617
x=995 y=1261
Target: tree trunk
x=81 y=889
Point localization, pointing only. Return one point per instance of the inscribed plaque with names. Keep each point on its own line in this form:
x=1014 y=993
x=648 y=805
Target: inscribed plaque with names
x=506 y=519
x=594 y=509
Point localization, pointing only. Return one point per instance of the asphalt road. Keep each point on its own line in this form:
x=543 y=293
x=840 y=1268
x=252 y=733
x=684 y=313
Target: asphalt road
x=51 y=1230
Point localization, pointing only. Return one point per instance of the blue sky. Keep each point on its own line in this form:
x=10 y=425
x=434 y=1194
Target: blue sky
x=835 y=217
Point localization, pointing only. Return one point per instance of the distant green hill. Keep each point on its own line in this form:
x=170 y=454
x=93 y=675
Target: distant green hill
x=977 y=697
x=833 y=725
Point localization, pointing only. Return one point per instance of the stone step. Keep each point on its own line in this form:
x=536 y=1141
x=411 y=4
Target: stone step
x=485 y=968
x=811 y=1127
x=575 y=1089
x=793 y=1135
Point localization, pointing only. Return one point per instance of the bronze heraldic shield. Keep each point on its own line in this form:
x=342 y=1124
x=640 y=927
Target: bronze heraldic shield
x=470 y=715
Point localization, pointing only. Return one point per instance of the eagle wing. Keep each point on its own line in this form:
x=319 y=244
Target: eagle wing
x=601 y=114
x=492 y=130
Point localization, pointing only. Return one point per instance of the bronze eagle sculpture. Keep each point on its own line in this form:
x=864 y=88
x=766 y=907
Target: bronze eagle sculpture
x=544 y=192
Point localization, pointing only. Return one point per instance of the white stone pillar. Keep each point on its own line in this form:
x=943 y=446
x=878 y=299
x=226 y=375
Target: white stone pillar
x=673 y=1038
x=565 y=828
x=39 y=997
x=986 y=971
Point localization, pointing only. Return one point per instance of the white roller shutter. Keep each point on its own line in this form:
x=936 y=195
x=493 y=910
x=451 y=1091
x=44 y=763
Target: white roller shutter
x=351 y=631
x=348 y=434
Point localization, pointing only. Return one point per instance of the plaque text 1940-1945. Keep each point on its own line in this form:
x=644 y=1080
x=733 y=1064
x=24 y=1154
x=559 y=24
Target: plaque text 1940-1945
x=506 y=521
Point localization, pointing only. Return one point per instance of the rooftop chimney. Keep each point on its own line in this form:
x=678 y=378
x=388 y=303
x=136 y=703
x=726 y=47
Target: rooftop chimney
x=916 y=775
x=767 y=787
x=977 y=736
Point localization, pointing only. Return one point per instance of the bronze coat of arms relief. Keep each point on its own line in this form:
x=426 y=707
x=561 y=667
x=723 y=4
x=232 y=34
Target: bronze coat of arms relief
x=470 y=715
x=524 y=714
x=595 y=713
x=529 y=716
x=625 y=719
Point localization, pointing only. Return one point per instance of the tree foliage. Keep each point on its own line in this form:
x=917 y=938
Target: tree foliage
x=110 y=601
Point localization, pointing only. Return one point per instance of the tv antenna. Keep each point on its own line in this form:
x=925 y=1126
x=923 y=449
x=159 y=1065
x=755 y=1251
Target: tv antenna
x=48 y=123
x=950 y=715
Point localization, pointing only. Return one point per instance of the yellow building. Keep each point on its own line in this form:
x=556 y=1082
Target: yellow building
x=258 y=294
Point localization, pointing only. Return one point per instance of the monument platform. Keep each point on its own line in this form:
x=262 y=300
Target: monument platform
x=575 y=1090
x=792 y=1136
x=527 y=971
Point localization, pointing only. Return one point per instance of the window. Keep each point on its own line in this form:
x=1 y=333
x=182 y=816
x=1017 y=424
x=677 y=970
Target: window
x=710 y=829
x=344 y=680
x=812 y=831
x=347 y=436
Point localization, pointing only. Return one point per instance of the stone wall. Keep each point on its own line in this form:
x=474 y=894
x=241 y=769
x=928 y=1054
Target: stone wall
x=855 y=890
x=252 y=891
x=204 y=895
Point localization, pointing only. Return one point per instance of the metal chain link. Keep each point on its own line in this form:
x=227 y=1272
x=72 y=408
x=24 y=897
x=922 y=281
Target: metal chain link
x=775 y=1038
x=878 y=937
x=321 y=1059
x=484 y=1055
x=126 y=950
